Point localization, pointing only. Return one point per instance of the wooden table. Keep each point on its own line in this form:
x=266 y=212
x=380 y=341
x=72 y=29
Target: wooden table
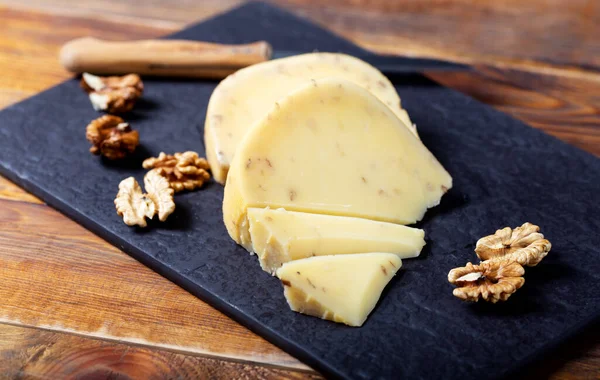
x=72 y=304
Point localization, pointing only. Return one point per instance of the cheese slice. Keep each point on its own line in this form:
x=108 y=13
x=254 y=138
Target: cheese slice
x=332 y=148
x=341 y=288
x=247 y=95
x=279 y=236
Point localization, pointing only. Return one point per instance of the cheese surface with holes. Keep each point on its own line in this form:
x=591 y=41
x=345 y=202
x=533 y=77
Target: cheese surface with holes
x=332 y=148
x=341 y=288
x=279 y=236
x=247 y=95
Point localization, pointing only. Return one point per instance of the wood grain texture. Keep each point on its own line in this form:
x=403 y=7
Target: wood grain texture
x=544 y=72
x=562 y=36
x=28 y=353
x=10 y=191
x=96 y=290
x=568 y=108
x=29 y=53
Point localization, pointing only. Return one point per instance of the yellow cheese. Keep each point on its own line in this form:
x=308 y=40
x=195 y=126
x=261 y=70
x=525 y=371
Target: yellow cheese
x=247 y=95
x=332 y=148
x=279 y=236
x=341 y=288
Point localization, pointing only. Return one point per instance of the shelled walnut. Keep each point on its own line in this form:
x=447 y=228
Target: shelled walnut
x=525 y=245
x=113 y=94
x=491 y=281
x=135 y=206
x=111 y=137
x=184 y=171
x=504 y=254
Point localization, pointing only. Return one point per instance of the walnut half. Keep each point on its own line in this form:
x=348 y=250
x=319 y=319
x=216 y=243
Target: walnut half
x=492 y=281
x=135 y=206
x=525 y=245
x=113 y=94
x=112 y=137
x=184 y=171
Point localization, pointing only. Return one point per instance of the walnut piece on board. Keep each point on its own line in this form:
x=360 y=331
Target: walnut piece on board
x=116 y=94
x=132 y=204
x=525 y=245
x=491 y=281
x=183 y=171
x=111 y=137
x=160 y=192
x=135 y=206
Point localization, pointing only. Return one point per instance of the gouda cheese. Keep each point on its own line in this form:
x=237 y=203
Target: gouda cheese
x=247 y=95
x=279 y=236
x=332 y=148
x=341 y=288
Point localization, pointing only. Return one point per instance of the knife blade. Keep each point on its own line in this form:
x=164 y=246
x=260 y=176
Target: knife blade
x=184 y=58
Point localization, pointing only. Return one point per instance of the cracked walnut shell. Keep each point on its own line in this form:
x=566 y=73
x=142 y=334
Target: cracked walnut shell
x=111 y=137
x=113 y=94
x=491 y=281
x=184 y=171
x=135 y=206
x=525 y=245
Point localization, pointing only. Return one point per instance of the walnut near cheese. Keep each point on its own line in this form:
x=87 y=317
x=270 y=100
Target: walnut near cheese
x=341 y=288
x=183 y=171
x=245 y=97
x=279 y=236
x=500 y=274
x=525 y=245
x=333 y=148
x=135 y=206
x=492 y=281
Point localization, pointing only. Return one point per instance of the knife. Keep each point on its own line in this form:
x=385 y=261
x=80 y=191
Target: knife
x=184 y=58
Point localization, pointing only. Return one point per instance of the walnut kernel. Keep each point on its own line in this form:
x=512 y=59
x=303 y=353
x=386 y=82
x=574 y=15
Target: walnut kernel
x=161 y=194
x=135 y=207
x=525 y=245
x=491 y=281
x=111 y=137
x=183 y=171
x=113 y=94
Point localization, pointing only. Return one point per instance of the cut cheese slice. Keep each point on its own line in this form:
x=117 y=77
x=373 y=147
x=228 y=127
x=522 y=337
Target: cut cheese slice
x=332 y=148
x=247 y=95
x=341 y=288
x=279 y=236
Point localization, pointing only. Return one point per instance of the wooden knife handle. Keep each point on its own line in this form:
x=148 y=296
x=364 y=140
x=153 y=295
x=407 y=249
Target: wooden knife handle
x=178 y=58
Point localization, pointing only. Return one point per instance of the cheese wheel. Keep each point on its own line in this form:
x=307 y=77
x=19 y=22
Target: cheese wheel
x=332 y=148
x=247 y=95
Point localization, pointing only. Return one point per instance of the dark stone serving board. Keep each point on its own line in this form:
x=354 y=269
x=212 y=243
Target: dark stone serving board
x=505 y=173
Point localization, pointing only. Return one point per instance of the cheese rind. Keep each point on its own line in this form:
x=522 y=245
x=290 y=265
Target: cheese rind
x=247 y=95
x=279 y=236
x=332 y=148
x=340 y=288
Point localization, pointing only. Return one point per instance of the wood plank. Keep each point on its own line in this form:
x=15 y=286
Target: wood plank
x=490 y=32
x=96 y=290
x=563 y=107
x=29 y=353
x=563 y=35
x=29 y=53
x=10 y=191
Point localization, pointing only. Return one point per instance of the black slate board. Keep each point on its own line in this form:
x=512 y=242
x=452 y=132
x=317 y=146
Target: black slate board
x=505 y=173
